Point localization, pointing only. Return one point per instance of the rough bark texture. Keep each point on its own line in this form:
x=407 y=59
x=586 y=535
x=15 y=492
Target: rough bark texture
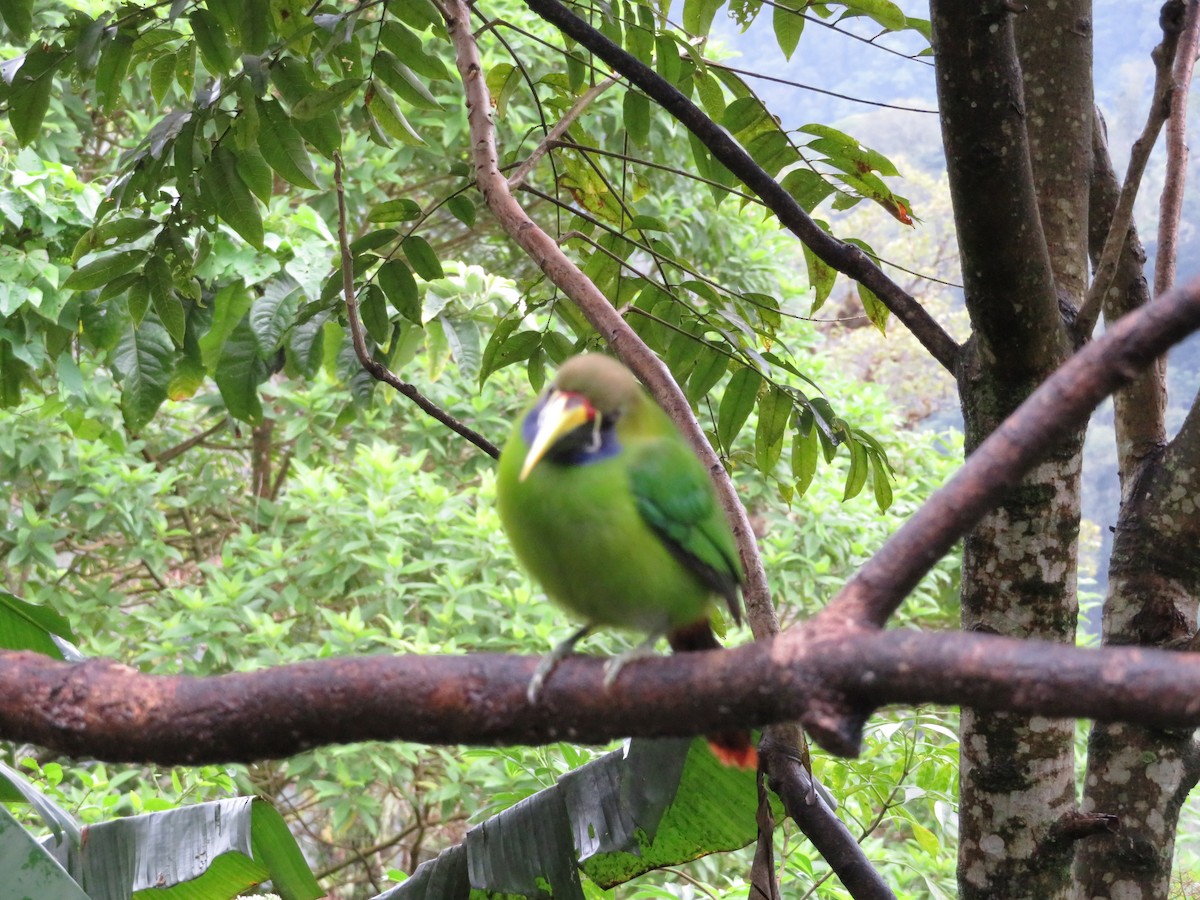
x=1016 y=779
x=1139 y=407
x=1138 y=774
x=1054 y=42
x=1143 y=775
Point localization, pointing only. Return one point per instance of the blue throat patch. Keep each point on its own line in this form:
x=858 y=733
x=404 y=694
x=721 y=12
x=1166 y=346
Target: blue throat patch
x=577 y=448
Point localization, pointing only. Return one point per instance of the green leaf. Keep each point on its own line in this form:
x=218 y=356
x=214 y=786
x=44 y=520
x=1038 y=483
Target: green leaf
x=788 y=22
x=290 y=76
x=400 y=210
x=112 y=71
x=774 y=411
x=881 y=484
x=18 y=15
x=736 y=404
x=711 y=365
x=210 y=38
x=331 y=100
x=255 y=25
x=886 y=13
x=273 y=313
x=25 y=626
x=186 y=379
x=401 y=289
x=502 y=82
x=112 y=233
x=372 y=309
x=821 y=277
x=167 y=305
x=12 y=374
x=372 y=240
x=230 y=304
x=240 y=372
x=387 y=114
x=231 y=198
x=404 y=82
x=462 y=208
x=876 y=311
x=100 y=272
x=666 y=58
x=143 y=358
x=926 y=838
x=411 y=50
x=424 y=261
x=805 y=448
x=637 y=117
x=698 y=15
x=256 y=173
x=807 y=187
x=29 y=96
x=857 y=477
x=504 y=350
x=282 y=147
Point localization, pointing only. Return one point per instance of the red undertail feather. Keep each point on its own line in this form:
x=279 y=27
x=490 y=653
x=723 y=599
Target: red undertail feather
x=732 y=748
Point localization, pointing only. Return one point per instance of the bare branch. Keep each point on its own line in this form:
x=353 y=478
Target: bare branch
x=1170 y=206
x=163 y=457
x=1171 y=19
x=1141 y=406
x=792 y=781
x=845 y=258
x=358 y=338
x=554 y=135
x=813 y=672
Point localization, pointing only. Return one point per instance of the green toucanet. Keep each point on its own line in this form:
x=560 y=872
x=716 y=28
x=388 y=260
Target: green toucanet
x=610 y=510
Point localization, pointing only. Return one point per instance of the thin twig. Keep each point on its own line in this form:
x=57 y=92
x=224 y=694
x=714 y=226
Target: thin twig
x=1171 y=203
x=560 y=128
x=1160 y=108
x=358 y=337
x=184 y=446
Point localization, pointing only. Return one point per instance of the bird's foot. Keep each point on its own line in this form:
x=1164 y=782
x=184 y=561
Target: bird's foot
x=550 y=661
x=613 y=667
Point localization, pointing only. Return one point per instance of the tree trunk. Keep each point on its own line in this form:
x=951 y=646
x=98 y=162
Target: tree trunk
x=1017 y=774
x=1139 y=775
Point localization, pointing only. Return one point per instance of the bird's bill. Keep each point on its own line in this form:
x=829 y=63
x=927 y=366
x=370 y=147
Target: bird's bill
x=561 y=414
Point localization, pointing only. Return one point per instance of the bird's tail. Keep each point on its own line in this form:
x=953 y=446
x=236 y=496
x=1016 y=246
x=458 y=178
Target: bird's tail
x=734 y=747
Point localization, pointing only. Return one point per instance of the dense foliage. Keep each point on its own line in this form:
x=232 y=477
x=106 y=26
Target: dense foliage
x=203 y=479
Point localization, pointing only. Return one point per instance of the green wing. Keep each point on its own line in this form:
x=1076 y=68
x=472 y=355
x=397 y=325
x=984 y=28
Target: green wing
x=672 y=493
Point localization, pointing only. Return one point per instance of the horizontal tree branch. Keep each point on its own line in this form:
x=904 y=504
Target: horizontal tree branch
x=101 y=709
x=845 y=258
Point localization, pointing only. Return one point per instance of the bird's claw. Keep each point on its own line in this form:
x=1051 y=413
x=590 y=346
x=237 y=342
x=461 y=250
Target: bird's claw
x=540 y=674
x=550 y=661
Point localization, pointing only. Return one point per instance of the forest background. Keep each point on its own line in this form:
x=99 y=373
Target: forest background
x=177 y=538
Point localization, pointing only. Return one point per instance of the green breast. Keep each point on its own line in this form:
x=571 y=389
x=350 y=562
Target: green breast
x=577 y=530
